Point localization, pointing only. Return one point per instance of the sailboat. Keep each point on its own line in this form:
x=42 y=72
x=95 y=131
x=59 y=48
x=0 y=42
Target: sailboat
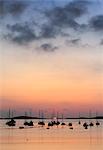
x=91 y=123
x=28 y=123
x=12 y=122
x=55 y=120
x=79 y=120
x=97 y=122
x=63 y=123
x=25 y=123
x=70 y=124
x=31 y=122
x=52 y=122
x=85 y=125
x=41 y=122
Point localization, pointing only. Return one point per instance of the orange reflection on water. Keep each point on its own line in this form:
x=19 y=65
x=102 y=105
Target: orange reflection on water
x=56 y=138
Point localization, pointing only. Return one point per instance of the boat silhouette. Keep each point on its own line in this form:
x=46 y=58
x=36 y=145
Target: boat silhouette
x=21 y=127
x=53 y=122
x=79 y=120
x=70 y=124
x=63 y=123
x=91 y=124
x=71 y=128
x=26 y=123
x=97 y=122
x=85 y=125
x=50 y=124
x=42 y=123
x=12 y=122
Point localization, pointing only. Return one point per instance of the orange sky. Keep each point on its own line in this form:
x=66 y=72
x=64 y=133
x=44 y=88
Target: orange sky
x=56 y=79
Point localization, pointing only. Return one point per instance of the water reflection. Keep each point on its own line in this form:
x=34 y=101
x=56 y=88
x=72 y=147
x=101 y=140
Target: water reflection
x=56 y=138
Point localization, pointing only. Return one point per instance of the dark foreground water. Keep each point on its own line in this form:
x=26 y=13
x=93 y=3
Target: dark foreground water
x=55 y=138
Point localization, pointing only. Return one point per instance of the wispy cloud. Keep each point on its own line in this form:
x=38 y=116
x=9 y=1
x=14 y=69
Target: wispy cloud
x=73 y=42
x=47 y=47
x=97 y=67
x=101 y=42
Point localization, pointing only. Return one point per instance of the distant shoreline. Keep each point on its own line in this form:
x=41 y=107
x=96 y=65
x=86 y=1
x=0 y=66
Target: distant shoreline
x=27 y=117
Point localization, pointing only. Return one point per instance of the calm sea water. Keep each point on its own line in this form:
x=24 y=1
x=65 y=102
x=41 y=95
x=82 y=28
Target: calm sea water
x=56 y=138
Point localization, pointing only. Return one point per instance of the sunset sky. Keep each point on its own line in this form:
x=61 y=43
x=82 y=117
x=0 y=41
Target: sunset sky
x=51 y=55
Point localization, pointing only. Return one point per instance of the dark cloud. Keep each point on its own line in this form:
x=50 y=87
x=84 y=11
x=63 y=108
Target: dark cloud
x=50 y=23
x=96 y=23
x=47 y=47
x=48 y=31
x=65 y=16
x=2 y=7
x=17 y=7
x=60 y=18
x=12 y=7
x=77 y=8
x=21 y=33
